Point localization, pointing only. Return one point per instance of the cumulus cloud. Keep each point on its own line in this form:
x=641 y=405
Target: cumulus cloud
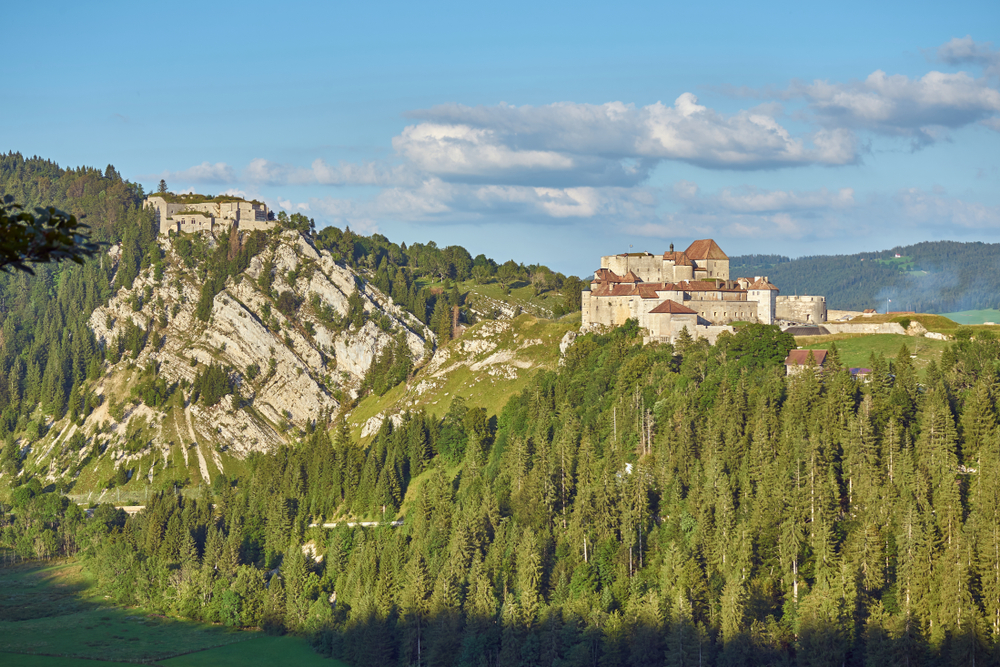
x=612 y=144
x=967 y=51
x=219 y=173
x=898 y=105
x=320 y=172
x=439 y=201
x=749 y=212
x=754 y=200
x=921 y=207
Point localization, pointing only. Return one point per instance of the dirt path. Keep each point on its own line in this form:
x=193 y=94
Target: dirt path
x=202 y=464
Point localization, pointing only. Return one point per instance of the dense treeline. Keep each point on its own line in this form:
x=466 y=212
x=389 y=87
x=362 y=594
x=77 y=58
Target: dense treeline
x=395 y=269
x=47 y=349
x=642 y=506
x=938 y=277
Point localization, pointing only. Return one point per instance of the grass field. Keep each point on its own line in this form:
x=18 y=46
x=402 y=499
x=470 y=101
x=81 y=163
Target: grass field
x=856 y=349
x=50 y=615
x=261 y=650
x=533 y=344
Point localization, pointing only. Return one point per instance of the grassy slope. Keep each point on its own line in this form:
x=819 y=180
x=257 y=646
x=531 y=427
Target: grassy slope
x=49 y=615
x=532 y=342
x=855 y=349
x=521 y=294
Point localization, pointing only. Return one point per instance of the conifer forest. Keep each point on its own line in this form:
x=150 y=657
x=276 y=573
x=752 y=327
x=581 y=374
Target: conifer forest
x=641 y=505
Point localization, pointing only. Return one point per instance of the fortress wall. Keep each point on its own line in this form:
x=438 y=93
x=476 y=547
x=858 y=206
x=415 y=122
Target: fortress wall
x=717 y=268
x=832 y=314
x=681 y=273
x=711 y=333
x=168 y=215
x=250 y=224
x=723 y=312
x=665 y=327
x=647 y=267
x=614 y=310
x=884 y=328
x=810 y=309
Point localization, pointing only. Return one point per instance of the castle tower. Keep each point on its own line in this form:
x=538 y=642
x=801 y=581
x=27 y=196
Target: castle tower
x=766 y=296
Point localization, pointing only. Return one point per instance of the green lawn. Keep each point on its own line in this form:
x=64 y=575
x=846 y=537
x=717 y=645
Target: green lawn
x=25 y=660
x=262 y=650
x=855 y=350
x=50 y=615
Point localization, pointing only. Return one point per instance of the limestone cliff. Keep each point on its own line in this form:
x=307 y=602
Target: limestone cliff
x=288 y=369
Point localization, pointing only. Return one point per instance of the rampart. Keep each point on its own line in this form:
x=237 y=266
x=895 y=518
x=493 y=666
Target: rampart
x=197 y=216
x=866 y=328
x=811 y=309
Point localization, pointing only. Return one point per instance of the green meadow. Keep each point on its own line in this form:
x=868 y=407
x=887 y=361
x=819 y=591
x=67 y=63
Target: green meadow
x=49 y=617
x=856 y=349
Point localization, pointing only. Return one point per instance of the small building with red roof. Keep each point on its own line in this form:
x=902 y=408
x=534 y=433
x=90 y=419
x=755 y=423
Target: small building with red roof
x=799 y=360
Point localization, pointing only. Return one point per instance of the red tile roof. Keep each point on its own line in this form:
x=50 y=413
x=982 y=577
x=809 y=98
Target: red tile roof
x=606 y=275
x=630 y=277
x=698 y=285
x=673 y=308
x=679 y=258
x=801 y=357
x=763 y=284
x=648 y=290
x=705 y=249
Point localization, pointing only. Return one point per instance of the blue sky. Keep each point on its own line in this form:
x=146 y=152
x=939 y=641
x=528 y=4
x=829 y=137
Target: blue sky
x=544 y=132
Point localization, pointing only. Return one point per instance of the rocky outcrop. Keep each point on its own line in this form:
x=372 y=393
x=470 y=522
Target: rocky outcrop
x=304 y=362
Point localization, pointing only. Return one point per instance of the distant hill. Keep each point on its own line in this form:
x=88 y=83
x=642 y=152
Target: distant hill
x=931 y=277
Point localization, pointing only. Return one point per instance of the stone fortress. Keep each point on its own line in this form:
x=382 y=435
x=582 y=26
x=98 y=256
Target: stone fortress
x=197 y=213
x=691 y=289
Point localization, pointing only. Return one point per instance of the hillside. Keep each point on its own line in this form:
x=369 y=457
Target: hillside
x=167 y=360
x=930 y=277
x=640 y=505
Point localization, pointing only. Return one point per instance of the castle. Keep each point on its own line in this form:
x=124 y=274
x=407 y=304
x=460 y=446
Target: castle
x=691 y=289
x=196 y=213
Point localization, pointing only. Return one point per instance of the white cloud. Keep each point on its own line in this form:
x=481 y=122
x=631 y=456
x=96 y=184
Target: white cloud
x=754 y=200
x=569 y=144
x=206 y=172
x=938 y=209
x=320 y=172
x=992 y=123
x=289 y=206
x=965 y=50
x=898 y=105
x=439 y=201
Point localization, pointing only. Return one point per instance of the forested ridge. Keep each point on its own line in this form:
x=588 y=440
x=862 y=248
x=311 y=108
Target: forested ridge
x=929 y=277
x=644 y=505
x=47 y=350
x=50 y=360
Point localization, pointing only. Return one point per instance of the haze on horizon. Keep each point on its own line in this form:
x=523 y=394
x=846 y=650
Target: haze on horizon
x=550 y=134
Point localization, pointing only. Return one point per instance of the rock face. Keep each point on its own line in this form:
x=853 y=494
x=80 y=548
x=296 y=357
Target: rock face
x=306 y=362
